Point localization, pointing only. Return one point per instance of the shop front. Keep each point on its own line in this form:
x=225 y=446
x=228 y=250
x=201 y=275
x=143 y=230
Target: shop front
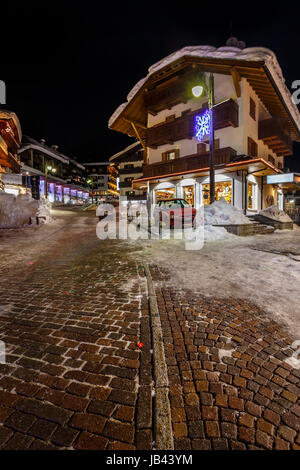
x=164 y=191
x=222 y=189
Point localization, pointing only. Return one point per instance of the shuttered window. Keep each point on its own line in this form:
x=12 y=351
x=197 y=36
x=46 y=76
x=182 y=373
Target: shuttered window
x=170 y=155
x=252 y=147
x=252 y=109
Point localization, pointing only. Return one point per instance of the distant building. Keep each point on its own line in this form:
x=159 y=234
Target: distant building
x=130 y=165
x=65 y=176
x=10 y=138
x=102 y=179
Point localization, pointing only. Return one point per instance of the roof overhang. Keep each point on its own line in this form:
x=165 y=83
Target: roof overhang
x=258 y=66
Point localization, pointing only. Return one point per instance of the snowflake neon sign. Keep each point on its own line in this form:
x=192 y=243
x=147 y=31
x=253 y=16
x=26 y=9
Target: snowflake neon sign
x=202 y=126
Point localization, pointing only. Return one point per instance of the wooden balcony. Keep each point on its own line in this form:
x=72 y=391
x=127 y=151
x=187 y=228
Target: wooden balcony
x=271 y=132
x=225 y=114
x=188 y=163
x=10 y=161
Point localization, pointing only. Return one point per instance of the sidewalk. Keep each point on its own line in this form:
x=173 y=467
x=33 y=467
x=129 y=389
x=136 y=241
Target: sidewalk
x=229 y=384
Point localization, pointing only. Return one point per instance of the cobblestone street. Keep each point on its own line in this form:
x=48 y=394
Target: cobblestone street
x=73 y=309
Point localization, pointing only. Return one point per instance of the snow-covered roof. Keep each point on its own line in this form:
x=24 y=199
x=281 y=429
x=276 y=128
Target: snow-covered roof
x=249 y=54
x=130 y=147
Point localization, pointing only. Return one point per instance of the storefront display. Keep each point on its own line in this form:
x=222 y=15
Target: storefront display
x=222 y=189
x=251 y=196
x=164 y=194
x=188 y=194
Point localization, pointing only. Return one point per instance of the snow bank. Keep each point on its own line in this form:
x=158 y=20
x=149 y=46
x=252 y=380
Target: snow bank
x=275 y=214
x=223 y=213
x=212 y=234
x=15 y=211
x=44 y=208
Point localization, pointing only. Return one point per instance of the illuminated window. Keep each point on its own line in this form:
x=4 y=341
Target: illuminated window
x=170 y=155
x=252 y=191
x=222 y=189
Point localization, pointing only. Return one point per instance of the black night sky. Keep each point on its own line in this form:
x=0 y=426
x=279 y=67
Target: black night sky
x=67 y=66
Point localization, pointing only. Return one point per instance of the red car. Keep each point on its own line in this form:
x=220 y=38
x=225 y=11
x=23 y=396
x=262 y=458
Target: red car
x=177 y=210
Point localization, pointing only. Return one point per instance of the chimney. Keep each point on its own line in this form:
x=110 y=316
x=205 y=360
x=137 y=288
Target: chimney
x=234 y=42
x=42 y=141
x=54 y=147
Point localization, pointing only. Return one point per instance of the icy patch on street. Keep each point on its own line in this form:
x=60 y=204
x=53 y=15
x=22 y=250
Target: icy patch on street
x=275 y=214
x=225 y=353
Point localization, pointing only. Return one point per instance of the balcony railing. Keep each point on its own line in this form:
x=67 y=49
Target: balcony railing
x=270 y=131
x=189 y=163
x=225 y=114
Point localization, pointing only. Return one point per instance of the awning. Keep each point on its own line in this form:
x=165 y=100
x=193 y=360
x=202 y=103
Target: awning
x=285 y=180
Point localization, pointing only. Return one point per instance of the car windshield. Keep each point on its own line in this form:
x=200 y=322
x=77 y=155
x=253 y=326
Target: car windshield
x=184 y=203
x=173 y=205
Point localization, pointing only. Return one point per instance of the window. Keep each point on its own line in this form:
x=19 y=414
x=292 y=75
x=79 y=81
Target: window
x=222 y=189
x=252 y=191
x=170 y=118
x=128 y=179
x=252 y=109
x=170 y=155
x=129 y=165
x=252 y=147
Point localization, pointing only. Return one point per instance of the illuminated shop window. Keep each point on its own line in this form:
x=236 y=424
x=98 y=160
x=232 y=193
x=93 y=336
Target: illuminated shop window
x=164 y=194
x=222 y=189
x=188 y=194
x=252 y=196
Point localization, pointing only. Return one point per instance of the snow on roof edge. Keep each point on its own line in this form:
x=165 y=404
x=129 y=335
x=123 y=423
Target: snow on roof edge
x=256 y=54
x=131 y=146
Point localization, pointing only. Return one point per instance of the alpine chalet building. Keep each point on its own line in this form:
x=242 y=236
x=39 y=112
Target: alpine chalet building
x=255 y=123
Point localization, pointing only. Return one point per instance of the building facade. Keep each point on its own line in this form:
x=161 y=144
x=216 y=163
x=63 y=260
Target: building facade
x=49 y=173
x=10 y=138
x=255 y=123
x=102 y=178
x=130 y=166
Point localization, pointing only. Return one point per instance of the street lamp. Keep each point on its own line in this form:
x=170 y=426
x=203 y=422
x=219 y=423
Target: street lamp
x=53 y=170
x=91 y=183
x=197 y=91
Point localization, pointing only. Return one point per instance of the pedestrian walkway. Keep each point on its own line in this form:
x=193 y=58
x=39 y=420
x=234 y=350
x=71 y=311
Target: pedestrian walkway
x=230 y=386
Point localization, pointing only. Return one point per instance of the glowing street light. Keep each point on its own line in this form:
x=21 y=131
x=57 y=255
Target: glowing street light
x=53 y=170
x=197 y=91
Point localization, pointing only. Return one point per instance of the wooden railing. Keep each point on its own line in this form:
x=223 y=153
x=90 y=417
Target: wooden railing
x=189 y=163
x=225 y=114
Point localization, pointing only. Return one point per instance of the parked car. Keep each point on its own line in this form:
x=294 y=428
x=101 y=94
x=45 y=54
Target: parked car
x=177 y=210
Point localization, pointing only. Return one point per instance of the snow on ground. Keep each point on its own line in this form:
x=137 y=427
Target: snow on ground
x=251 y=268
x=223 y=213
x=16 y=211
x=274 y=213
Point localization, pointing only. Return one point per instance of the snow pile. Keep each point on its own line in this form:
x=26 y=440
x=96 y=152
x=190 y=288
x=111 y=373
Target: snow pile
x=212 y=234
x=16 y=211
x=44 y=207
x=223 y=213
x=275 y=214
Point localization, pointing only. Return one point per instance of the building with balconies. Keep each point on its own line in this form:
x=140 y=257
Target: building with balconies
x=254 y=118
x=102 y=178
x=10 y=138
x=130 y=166
x=44 y=165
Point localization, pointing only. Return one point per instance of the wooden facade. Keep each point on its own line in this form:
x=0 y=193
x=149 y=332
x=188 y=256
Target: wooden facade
x=10 y=139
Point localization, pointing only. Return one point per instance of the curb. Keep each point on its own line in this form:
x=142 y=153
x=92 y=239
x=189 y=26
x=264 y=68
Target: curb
x=163 y=420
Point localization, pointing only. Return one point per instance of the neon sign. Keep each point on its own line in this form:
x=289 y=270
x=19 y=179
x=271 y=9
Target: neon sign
x=202 y=125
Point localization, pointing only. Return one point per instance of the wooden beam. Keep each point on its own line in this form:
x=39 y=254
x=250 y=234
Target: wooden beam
x=136 y=123
x=138 y=136
x=236 y=81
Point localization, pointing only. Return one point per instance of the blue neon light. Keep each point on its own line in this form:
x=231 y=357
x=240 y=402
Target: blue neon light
x=202 y=125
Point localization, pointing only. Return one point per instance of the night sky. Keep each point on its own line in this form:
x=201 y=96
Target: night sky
x=67 y=67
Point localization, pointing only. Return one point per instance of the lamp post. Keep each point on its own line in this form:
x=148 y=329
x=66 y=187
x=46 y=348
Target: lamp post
x=91 y=183
x=197 y=91
x=53 y=170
